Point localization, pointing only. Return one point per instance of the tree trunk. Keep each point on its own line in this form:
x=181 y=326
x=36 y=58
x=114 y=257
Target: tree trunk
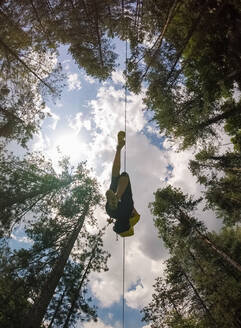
x=14 y=54
x=38 y=18
x=225 y=256
x=57 y=308
x=36 y=314
x=198 y=296
x=233 y=169
x=220 y=117
x=186 y=41
x=195 y=261
x=76 y=295
x=175 y=307
x=6 y=203
x=97 y=28
x=161 y=36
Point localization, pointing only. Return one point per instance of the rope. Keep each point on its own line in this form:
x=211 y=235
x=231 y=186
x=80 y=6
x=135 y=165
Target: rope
x=125 y=109
x=123 y=285
x=123 y=245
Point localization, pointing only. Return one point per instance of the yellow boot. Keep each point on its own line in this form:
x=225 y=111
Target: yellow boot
x=127 y=233
x=134 y=219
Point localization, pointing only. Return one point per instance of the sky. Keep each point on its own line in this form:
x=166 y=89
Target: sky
x=84 y=124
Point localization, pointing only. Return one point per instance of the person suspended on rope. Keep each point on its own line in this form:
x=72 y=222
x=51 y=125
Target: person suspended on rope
x=120 y=205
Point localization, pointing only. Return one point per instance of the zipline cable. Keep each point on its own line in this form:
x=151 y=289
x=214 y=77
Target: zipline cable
x=123 y=245
x=123 y=286
x=125 y=107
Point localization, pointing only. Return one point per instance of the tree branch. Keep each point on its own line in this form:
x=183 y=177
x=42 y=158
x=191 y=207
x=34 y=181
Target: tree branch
x=13 y=53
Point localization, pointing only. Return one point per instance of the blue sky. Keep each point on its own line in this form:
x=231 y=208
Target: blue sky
x=84 y=124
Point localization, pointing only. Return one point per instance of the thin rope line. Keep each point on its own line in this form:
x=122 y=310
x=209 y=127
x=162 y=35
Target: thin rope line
x=123 y=285
x=125 y=111
x=123 y=244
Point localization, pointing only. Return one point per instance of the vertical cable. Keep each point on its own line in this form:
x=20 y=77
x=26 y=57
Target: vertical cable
x=123 y=286
x=123 y=245
x=125 y=109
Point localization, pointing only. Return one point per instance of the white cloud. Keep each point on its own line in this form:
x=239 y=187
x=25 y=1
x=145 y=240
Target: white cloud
x=98 y=324
x=54 y=118
x=23 y=239
x=38 y=142
x=66 y=64
x=89 y=79
x=145 y=172
x=153 y=130
x=87 y=124
x=59 y=104
x=147 y=166
x=118 y=77
x=69 y=144
x=182 y=178
x=76 y=123
x=73 y=82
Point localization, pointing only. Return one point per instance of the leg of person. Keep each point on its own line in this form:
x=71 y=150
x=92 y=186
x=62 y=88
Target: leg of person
x=123 y=182
x=125 y=206
x=116 y=163
x=112 y=199
x=117 y=159
x=122 y=185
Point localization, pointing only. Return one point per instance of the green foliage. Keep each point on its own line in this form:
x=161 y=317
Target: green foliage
x=221 y=176
x=190 y=66
x=13 y=291
x=26 y=184
x=189 y=60
x=70 y=302
x=187 y=54
x=28 y=73
x=170 y=210
x=233 y=128
x=63 y=252
x=198 y=288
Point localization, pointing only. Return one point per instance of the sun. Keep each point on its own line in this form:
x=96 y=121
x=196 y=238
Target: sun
x=70 y=145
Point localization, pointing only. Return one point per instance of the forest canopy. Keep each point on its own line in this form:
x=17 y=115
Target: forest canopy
x=186 y=55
